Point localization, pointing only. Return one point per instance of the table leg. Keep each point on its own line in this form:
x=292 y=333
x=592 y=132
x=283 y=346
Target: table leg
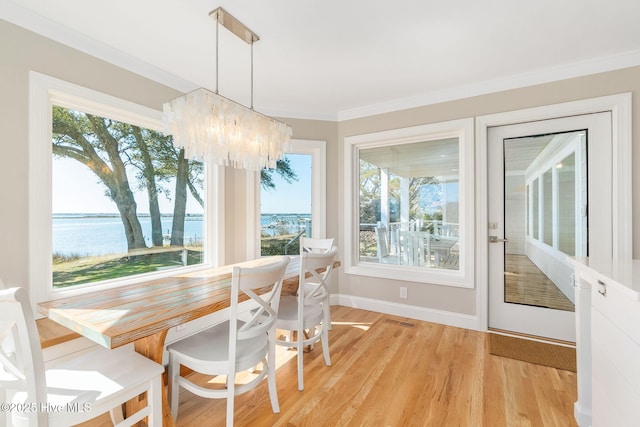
x=152 y=347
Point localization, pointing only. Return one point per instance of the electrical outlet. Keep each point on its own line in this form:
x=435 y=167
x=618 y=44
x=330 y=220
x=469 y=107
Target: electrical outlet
x=403 y=292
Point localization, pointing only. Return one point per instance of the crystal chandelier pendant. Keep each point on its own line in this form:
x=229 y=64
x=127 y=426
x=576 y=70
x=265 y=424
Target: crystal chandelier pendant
x=219 y=130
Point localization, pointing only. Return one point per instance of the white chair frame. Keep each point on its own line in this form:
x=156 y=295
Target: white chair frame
x=74 y=390
x=235 y=345
x=309 y=309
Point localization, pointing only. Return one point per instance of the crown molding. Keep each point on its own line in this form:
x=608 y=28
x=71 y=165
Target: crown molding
x=31 y=21
x=38 y=24
x=577 y=69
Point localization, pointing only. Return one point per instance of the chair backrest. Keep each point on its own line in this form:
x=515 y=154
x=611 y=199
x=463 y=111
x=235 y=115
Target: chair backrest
x=263 y=286
x=382 y=243
x=315 y=267
x=413 y=246
x=21 y=362
x=308 y=244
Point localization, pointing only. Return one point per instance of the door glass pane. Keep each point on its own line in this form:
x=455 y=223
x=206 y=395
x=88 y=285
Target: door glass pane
x=535 y=210
x=409 y=204
x=526 y=211
x=567 y=205
x=285 y=205
x=536 y=168
x=547 y=208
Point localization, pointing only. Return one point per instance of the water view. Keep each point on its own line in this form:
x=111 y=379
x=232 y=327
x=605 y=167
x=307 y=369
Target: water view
x=103 y=234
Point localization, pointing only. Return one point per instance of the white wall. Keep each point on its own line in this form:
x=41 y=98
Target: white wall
x=27 y=51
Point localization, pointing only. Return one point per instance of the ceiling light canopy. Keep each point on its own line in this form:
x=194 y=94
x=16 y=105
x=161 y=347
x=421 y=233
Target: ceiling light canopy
x=220 y=130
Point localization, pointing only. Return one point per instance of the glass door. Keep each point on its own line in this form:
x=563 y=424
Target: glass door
x=543 y=177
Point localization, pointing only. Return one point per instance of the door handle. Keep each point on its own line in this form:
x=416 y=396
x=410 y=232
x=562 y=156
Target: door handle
x=602 y=288
x=494 y=239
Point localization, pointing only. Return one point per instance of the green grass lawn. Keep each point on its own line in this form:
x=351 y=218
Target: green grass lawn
x=95 y=269
x=79 y=270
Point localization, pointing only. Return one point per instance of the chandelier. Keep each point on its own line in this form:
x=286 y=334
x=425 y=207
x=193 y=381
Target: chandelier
x=217 y=129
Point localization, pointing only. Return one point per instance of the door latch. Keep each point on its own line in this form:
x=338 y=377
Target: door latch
x=494 y=239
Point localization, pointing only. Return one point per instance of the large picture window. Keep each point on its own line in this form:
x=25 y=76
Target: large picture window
x=292 y=199
x=285 y=205
x=112 y=200
x=125 y=200
x=409 y=204
x=410 y=200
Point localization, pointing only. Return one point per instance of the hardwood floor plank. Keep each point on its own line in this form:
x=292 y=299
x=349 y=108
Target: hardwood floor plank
x=388 y=373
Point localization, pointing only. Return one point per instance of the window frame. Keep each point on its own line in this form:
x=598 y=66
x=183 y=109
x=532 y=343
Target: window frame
x=318 y=151
x=46 y=91
x=463 y=129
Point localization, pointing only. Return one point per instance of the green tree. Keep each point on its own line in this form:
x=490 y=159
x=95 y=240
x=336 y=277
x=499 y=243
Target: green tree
x=157 y=161
x=369 y=194
x=97 y=143
x=147 y=177
x=108 y=147
x=283 y=168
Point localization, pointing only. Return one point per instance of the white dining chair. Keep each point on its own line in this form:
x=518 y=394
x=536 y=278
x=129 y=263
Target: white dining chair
x=307 y=245
x=238 y=344
x=75 y=390
x=306 y=311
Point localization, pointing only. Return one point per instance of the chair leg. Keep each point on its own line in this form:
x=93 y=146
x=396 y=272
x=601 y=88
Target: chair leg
x=325 y=345
x=231 y=394
x=326 y=308
x=300 y=349
x=271 y=378
x=174 y=387
x=117 y=415
x=154 y=398
x=4 y=416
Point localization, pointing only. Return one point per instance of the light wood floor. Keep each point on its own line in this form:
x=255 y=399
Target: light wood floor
x=390 y=371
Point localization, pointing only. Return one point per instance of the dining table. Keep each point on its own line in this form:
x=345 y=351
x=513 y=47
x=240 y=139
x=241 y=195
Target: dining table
x=144 y=312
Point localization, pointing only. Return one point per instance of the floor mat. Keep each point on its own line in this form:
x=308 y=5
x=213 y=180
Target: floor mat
x=555 y=356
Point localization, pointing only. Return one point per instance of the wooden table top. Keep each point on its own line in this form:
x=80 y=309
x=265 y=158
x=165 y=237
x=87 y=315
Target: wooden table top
x=125 y=314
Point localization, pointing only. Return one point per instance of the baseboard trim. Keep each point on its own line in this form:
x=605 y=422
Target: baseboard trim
x=410 y=311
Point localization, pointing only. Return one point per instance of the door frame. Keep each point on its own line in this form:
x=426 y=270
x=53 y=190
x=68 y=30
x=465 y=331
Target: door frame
x=620 y=107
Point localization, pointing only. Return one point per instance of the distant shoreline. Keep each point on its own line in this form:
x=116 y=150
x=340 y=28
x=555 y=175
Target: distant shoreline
x=112 y=215
x=97 y=234
x=146 y=215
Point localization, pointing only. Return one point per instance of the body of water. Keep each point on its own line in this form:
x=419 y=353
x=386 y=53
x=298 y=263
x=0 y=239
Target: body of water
x=90 y=235
x=280 y=224
x=104 y=234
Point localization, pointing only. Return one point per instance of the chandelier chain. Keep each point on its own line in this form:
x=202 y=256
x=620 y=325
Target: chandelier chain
x=217 y=42
x=251 y=74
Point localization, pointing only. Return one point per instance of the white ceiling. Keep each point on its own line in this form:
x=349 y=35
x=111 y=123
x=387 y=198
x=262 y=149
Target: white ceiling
x=339 y=59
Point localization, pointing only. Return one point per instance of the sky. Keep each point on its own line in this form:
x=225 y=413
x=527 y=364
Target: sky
x=76 y=189
x=294 y=197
